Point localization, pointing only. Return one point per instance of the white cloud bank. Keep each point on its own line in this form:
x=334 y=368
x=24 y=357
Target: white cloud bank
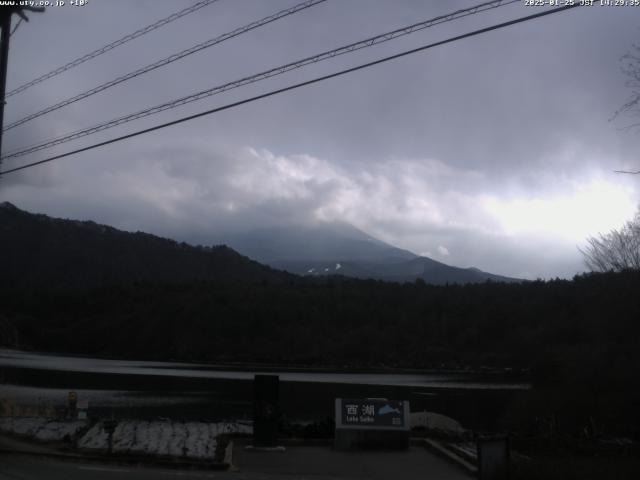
x=189 y=192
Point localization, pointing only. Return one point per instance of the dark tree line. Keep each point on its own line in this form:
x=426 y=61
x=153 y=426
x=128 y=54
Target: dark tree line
x=334 y=321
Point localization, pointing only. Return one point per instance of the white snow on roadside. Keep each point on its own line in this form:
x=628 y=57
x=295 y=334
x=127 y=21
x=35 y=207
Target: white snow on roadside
x=435 y=421
x=56 y=431
x=464 y=449
x=95 y=438
x=124 y=436
x=43 y=429
x=165 y=438
x=178 y=438
x=198 y=441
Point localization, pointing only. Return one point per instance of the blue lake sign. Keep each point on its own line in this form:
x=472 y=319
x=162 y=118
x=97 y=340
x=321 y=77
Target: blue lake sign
x=373 y=413
x=371 y=422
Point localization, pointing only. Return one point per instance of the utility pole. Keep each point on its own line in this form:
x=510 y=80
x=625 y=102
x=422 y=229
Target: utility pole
x=5 y=21
x=4 y=60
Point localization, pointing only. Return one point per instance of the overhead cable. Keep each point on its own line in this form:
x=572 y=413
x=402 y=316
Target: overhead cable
x=293 y=87
x=385 y=37
x=166 y=61
x=111 y=46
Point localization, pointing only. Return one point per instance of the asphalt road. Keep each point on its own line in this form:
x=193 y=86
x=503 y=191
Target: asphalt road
x=28 y=467
x=295 y=463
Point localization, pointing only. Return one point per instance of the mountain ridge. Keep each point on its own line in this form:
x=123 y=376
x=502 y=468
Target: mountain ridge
x=320 y=242
x=47 y=252
x=317 y=250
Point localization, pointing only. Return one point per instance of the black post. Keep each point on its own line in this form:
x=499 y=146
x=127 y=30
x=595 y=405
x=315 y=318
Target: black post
x=266 y=412
x=493 y=457
x=4 y=61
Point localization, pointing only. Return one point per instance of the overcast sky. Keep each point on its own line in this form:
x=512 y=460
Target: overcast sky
x=495 y=151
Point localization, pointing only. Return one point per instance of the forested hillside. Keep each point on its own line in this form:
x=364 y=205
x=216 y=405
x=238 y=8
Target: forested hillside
x=44 y=252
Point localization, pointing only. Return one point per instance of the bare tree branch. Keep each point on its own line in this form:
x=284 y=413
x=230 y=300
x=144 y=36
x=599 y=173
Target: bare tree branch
x=631 y=108
x=615 y=251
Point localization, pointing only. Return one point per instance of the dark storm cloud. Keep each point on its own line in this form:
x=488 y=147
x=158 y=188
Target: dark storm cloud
x=494 y=151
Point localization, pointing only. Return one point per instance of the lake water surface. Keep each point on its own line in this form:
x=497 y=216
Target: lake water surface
x=146 y=389
x=61 y=363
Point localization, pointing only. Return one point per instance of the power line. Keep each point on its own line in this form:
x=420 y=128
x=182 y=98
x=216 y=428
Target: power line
x=385 y=37
x=12 y=32
x=166 y=61
x=295 y=86
x=112 y=45
x=6 y=15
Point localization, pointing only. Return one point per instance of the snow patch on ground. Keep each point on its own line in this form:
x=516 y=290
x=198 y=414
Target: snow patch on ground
x=43 y=429
x=164 y=438
x=467 y=450
x=95 y=438
x=435 y=421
